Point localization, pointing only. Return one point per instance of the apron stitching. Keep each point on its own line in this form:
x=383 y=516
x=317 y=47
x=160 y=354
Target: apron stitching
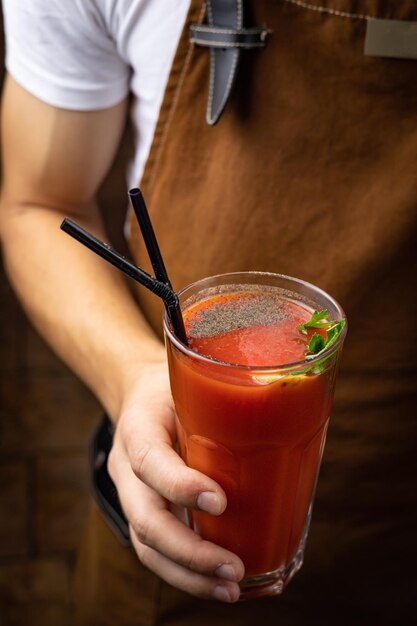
x=173 y=105
x=211 y=77
x=321 y=9
x=239 y=14
x=231 y=76
x=211 y=84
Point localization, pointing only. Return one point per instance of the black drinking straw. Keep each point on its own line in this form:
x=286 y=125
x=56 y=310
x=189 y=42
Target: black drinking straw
x=148 y=234
x=155 y=256
x=158 y=287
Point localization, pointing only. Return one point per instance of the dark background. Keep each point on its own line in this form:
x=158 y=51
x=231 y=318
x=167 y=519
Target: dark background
x=46 y=417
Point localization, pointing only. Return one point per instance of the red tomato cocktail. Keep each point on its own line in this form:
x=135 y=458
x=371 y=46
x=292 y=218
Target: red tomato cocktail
x=252 y=414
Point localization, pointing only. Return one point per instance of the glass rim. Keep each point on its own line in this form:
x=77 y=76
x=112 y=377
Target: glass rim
x=304 y=363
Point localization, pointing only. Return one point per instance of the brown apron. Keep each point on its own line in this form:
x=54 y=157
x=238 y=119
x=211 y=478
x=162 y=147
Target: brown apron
x=311 y=172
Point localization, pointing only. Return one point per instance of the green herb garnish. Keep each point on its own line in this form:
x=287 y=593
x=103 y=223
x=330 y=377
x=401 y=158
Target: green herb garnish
x=316 y=321
x=317 y=343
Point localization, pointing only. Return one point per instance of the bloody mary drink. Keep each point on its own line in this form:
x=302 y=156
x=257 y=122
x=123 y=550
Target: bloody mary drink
x=252 y=410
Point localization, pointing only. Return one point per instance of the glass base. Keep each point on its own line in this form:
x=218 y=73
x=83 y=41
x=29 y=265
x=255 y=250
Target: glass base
x=272 y=583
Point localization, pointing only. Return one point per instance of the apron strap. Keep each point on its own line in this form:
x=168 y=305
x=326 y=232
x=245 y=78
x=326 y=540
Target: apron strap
x=226 y=36
x=216 y=37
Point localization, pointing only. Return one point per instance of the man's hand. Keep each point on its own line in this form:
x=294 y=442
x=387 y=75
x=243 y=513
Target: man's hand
x=152 y=480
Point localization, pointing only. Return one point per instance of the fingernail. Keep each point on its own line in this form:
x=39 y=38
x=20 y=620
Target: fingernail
x=209 y=502
x=227 y=572
x=222 y=594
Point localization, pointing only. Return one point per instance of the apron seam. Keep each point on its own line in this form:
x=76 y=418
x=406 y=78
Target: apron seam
x=329 y=11
x=170 y=115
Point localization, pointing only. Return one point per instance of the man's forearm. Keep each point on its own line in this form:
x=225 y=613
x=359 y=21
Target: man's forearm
x=80 y=305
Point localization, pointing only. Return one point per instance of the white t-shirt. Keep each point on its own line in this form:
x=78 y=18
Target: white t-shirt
x=89 y=54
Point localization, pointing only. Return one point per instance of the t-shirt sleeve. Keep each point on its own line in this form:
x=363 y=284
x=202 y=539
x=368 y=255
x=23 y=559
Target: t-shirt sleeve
x=61 y=52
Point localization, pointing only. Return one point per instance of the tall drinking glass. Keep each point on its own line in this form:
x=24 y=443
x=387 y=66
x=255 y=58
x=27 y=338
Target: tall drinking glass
x=258 y=431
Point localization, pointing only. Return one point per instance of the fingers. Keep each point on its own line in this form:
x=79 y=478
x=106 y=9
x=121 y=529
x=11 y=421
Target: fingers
x=160 y=467
x=186 y=580
x=156 y=527
x=150 y=476
x=170 y=549
x=148 y=440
